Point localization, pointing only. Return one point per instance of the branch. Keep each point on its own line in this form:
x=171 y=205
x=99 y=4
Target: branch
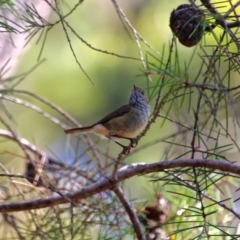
x=24 y=142
x=34 y=108
x=60 y=111
x=157 y=109
x=35 y=166
x=220 y=20
x=16 y=138
x=12 y=43
x=131 y=213
x=210 y=87
x=122 y=174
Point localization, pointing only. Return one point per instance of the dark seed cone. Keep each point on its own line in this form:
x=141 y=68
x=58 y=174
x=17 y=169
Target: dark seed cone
x=153 y=216
x=187 y=24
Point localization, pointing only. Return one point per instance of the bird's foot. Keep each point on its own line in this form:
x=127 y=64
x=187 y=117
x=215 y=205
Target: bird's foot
x=126 y=150
x=133 y=144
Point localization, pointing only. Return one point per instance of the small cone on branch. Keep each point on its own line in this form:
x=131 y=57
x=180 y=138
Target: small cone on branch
x=187 y=24
x=153 y=216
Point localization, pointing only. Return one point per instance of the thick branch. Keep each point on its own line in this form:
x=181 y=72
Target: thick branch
x=122 y=174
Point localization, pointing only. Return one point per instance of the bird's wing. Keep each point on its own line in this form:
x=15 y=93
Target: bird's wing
x=117 y=113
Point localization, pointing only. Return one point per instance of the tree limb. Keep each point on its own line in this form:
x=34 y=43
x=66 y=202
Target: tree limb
x=122 y=174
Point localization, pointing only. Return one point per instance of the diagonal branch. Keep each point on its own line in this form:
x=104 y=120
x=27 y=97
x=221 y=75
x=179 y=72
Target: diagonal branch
x=131 y=213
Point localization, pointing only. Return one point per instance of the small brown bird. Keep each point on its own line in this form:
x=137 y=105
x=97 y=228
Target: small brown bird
x=125 y=122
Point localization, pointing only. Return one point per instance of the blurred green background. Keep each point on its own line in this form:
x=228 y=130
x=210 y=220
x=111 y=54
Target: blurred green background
x=60 y=80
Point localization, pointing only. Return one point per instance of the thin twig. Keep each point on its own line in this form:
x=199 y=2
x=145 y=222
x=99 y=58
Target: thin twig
x=16 y=138
x=121 y=13
x=34 y=108
x=50 y=104
x=60 y=111
x=131 y=213
x=220 y=20
x=89 y=45
x=190 y=185
x=57 y=10
x=136 y=36
x=135 y=141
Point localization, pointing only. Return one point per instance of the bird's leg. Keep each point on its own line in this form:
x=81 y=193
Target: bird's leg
x=130 y=139
x=118 y=143
x=125 y=148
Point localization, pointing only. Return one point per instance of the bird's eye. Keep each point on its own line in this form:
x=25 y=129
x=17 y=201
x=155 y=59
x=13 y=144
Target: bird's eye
x=142 y=93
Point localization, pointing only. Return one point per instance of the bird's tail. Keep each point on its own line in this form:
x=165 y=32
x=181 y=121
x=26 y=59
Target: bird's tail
x=78 y=130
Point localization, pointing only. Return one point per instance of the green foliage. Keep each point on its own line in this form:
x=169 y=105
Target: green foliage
x=194 y=95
